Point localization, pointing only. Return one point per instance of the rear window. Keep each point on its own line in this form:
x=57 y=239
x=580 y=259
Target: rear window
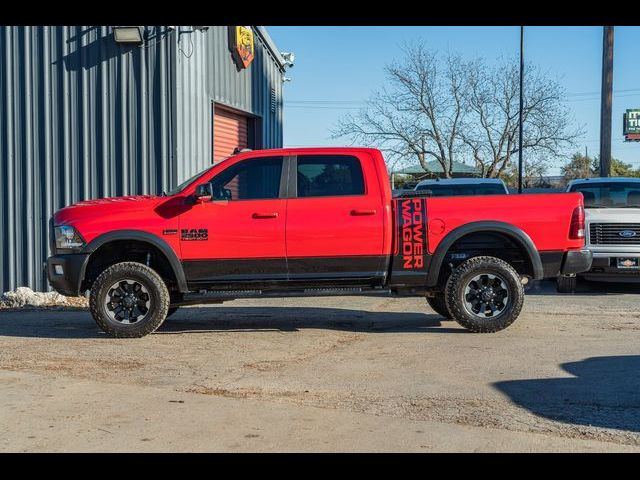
x=329 y=176
x=459 y=190
x=609 y=195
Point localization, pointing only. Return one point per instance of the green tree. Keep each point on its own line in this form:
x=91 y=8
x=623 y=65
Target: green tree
x=403 y=181
x=580 y=166
x=620 y=169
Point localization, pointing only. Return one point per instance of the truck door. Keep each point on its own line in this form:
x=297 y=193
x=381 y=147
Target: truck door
x=238 y=236
x=334 y=222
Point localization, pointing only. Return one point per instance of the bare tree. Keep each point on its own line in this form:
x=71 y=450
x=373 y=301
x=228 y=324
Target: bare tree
x=445 y=108
x=533 y=170
x=418 y=114
x=491 y=126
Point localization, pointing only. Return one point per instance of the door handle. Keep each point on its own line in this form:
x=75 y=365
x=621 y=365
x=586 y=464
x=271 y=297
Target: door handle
x=265 y=215
x=359 y=213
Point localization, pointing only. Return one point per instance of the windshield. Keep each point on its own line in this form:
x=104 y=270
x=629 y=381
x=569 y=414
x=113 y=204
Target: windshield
x=458 y=190
x=187 y=182
x=609 y=195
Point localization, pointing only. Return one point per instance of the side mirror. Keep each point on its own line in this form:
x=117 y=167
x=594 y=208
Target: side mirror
x=203 y=193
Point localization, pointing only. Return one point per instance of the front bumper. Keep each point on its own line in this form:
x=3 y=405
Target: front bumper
x=66 y=272
x=576 y=261
x=605 y=268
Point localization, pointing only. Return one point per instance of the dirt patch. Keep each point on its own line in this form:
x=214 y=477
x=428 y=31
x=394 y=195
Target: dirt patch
x=71 y=366
x=565 y=377
x=621 y=326
x=475 y=412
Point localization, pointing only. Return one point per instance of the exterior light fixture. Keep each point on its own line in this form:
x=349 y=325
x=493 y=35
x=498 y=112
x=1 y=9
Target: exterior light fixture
x=130 y=35
x=289 y=58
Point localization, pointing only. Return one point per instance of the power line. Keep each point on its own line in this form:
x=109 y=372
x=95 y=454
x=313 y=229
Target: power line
x=327 y=101
x=321 y=107
x=629 y=92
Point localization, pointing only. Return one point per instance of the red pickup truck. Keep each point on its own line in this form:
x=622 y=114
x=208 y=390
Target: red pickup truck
x=313 y=221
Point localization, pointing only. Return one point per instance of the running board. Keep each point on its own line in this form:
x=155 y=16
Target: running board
x=219 y=296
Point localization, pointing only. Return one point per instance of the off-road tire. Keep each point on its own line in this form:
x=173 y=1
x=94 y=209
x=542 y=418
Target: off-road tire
x=566 y=284
x=158 y=294
x=460 y=278
x=439 y=305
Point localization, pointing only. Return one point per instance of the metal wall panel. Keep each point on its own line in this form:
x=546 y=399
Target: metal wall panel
x=193 y=104
x=83 y=117
x=247 y=90
x=80 y=117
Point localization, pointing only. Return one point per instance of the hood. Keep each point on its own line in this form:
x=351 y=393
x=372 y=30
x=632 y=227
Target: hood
x=105 y=206
x=126 y=200
x=613 y=215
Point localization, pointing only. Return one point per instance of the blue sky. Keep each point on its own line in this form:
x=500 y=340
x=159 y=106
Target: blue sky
x=345 y=64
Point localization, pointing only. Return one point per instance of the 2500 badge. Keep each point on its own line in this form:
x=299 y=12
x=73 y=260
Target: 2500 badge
x=194 y=234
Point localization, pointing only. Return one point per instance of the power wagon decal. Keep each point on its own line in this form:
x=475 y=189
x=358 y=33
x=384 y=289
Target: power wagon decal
x=412 y=233
x=411 y=259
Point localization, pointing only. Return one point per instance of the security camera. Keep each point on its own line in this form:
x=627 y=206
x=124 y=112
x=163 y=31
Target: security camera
x=289 y=58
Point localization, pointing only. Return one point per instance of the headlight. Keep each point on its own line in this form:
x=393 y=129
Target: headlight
x=68 y=238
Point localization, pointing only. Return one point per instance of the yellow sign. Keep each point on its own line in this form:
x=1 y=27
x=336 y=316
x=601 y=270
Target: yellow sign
x=244 y=45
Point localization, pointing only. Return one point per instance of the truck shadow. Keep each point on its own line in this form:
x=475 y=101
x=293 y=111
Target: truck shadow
x=604 y=392
x=79 y=324
x=290 y=319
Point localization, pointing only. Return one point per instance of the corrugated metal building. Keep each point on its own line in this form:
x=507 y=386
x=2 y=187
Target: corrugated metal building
x=82 y=116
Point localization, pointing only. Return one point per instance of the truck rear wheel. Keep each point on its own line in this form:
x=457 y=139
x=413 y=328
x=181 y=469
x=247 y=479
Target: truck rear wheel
x=484 y=294
x=566 y=284
x=129 y=300
x=439 y=305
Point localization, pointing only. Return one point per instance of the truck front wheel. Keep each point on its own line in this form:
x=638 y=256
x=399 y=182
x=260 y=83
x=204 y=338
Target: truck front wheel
x=484 y=294
x=129 y=300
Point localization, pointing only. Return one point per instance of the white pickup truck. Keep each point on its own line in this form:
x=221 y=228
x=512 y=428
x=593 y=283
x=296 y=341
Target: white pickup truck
x=612 y=210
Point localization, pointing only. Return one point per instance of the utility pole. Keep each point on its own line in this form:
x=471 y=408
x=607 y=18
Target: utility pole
x=521 y=106
x=606 y=101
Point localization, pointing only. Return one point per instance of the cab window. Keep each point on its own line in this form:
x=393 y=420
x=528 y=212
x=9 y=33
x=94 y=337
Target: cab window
x=329 y=176
x=252 y=179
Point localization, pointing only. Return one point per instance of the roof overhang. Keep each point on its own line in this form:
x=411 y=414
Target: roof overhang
x=266 y=38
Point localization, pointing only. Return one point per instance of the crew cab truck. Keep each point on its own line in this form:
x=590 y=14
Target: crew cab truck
x=314 y=221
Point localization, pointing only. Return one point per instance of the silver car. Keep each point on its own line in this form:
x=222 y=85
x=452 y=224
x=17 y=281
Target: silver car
x=463 y=186
x=612 y=214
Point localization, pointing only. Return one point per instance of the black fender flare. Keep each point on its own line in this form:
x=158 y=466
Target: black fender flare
x=490 y=226
x=154 y=240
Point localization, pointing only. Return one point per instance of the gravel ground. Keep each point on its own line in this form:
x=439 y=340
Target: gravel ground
x=328 y=374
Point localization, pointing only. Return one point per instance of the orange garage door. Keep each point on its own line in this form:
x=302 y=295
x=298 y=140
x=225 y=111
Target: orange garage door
x=229 y=133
